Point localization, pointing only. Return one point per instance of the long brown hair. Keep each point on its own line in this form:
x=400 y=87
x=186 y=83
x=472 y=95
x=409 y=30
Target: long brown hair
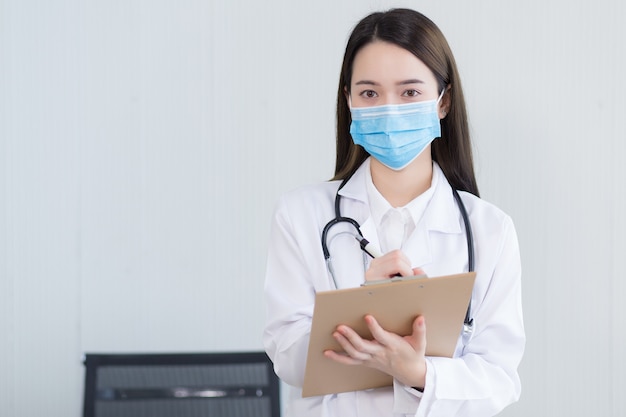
x=417 y=34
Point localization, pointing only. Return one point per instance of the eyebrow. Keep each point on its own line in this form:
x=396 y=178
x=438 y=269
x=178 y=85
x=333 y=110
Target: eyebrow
x=404 y=82
x=411 y=81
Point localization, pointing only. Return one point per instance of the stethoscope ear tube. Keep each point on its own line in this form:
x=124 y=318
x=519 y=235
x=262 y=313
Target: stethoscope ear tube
x=468 y=231
x=468 y=323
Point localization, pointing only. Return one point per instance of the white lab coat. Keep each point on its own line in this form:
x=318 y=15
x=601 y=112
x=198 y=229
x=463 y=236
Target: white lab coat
x=480 y=380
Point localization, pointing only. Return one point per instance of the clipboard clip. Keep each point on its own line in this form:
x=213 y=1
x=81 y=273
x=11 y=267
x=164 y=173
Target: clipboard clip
x=393 y=279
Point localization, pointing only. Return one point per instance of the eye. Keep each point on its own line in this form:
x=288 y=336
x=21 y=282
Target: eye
x=369 y=94
x=411 y=93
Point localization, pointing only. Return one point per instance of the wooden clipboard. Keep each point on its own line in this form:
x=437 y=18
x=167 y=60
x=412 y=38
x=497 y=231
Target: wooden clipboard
x=443 y=302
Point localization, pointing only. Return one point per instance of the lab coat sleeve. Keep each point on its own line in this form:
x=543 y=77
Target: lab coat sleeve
x=482 y=378
x=289 y=297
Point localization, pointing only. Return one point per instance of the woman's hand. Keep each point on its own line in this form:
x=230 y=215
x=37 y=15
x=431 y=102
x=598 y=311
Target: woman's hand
x=390 y=265
x=400 y=357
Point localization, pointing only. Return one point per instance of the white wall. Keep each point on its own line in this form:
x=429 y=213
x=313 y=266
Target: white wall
x=143 y=144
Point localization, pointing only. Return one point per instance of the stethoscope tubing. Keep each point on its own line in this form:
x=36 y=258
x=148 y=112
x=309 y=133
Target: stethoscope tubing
x=330 y=224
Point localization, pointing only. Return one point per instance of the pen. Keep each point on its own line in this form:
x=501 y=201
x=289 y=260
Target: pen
x=372 y=251
x=367 y=247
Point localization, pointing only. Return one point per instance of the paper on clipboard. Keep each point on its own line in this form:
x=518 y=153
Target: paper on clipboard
x=442 y=301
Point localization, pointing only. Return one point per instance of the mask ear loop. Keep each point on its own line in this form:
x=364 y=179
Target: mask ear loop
x=441 y=95
x=443 y=111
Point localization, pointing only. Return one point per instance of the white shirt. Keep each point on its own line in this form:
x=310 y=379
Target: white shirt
x=481 y=378
x=395 y=225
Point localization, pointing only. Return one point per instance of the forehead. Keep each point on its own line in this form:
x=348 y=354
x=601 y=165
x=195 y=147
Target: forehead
x=386 y=62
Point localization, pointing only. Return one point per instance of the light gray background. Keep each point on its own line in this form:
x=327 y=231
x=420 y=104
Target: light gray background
x=143 y=144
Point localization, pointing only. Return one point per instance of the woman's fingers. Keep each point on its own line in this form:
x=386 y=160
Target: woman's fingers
x=341 y=358
x=418 y=271
x=381 y=335
x=417 y=339
x=401 y=357
x=353 y=344
x=389 y=265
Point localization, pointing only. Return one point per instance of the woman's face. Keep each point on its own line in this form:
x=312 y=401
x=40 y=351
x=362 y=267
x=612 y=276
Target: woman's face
x=384 y=73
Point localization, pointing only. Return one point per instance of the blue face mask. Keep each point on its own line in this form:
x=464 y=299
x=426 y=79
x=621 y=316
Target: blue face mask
x=396 y=134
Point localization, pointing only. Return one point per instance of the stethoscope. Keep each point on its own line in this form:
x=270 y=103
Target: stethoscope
x=468 y=324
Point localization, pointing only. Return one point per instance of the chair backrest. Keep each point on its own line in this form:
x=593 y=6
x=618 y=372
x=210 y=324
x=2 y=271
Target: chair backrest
x=180 y=385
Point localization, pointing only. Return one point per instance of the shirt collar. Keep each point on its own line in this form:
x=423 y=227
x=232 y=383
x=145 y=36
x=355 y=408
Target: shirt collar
x=379 y=207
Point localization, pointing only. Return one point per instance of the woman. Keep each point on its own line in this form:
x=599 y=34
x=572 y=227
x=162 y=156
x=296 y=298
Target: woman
x=402 y=148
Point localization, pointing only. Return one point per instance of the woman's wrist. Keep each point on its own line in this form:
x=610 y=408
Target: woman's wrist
x=417 y=376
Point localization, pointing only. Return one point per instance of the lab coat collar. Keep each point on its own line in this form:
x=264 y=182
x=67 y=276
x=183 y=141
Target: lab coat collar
x=355 y=187
x=442 y=213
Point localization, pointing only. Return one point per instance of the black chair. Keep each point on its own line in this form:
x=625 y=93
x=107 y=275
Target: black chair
x=180 y=385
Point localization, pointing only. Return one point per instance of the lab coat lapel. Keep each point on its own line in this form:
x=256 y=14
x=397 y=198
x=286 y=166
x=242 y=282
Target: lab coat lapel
x=440 y=216
x=368 y=228
x=418 y=247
